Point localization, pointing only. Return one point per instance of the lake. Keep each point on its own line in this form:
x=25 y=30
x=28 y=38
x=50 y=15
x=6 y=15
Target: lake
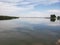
x=29 y=31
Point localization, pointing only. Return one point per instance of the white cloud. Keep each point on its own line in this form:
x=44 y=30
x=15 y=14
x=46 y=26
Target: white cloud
x=50 y=1
x=31 y=1
x=11 y=1
x=24 y=3
x=9 y=7
x=34 y=14
x=43 y=1
x=54 y=11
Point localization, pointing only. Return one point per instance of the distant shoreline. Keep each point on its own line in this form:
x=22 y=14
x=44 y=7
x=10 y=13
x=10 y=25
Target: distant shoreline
x=7 y=17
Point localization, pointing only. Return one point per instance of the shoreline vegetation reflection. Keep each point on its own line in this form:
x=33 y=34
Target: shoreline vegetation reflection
x=7 y=17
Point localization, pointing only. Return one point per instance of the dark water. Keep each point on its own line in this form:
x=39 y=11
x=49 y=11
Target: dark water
x=29 y=31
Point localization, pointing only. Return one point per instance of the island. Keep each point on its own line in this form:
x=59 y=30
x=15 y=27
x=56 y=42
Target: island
x=7 y=17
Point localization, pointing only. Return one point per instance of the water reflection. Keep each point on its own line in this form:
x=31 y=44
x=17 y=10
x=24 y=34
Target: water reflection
x=52 y=20
x=29 y=31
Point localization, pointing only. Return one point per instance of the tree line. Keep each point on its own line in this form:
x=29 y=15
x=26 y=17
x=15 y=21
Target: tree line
x=53 y=16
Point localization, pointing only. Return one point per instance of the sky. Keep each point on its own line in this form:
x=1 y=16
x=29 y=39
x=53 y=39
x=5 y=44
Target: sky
x=30 y=8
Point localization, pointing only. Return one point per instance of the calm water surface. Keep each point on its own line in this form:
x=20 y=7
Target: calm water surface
x=29 y=31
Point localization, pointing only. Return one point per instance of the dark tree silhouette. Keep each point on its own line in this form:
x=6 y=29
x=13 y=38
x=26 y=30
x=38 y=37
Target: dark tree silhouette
x=58 y=18
x=7 y=17
x=53 y=16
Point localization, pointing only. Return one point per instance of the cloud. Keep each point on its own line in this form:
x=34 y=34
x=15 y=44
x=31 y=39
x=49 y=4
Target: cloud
x=34 y=14
x=23 y=2
x=11 y=1
x=24 y=7
x=54 y=11
x=8 y=9
x=45 y=2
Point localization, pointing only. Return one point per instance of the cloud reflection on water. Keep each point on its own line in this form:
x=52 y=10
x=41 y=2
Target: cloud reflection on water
x=29 y=30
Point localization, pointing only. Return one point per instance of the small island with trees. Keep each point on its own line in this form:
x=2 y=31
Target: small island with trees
x=7 y=17
x=53 y=17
